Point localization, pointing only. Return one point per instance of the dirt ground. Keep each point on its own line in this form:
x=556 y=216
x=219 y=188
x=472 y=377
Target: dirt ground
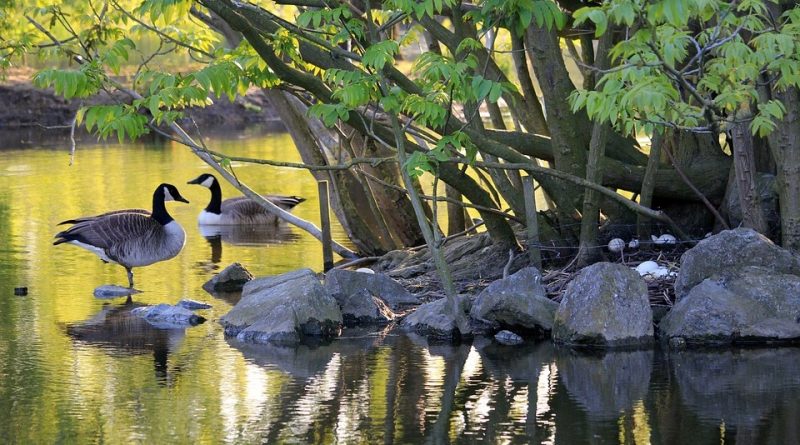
x=29 y=114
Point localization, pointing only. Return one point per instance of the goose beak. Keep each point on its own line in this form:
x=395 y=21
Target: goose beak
x=194 y=181
x=182 y=199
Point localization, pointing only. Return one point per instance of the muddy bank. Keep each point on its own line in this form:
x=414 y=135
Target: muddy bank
x=29 y=115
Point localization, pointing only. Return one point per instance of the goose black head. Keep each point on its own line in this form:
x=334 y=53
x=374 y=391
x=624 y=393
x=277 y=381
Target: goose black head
x=206 y=180
x=170 y=193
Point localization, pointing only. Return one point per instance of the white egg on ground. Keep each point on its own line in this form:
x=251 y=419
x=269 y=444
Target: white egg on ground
x=365 y=270
x=616 y=245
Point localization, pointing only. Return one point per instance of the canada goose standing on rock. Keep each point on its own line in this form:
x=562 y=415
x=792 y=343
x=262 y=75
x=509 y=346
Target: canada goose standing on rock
x=240 y=210
x=132 y=237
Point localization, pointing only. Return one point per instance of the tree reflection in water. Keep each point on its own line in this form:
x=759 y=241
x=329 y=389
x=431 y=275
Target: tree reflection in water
x=390 y=388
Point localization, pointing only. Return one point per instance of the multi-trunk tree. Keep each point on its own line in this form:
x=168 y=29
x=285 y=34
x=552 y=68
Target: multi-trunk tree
x=377 y=93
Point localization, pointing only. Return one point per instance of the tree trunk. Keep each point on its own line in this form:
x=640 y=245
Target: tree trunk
x=646 y=194
x=589 y=250
x=785 y=144
x=745 y=170
x=456 y=217
x=347 y=190
x=567 y=130
x=394 y=205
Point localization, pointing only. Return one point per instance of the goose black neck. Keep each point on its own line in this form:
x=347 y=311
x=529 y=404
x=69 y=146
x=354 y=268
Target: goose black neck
x=215 y=205
x=160 y=213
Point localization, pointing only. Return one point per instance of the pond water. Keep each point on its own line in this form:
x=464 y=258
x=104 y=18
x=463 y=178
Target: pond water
x=77 y=369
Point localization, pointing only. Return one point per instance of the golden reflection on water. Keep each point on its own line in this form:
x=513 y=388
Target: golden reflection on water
x=77 y=369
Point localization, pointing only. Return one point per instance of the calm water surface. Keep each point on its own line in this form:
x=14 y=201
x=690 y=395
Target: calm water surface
x=77 y=369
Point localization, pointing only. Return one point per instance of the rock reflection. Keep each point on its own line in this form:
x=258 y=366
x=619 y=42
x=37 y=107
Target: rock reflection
x=116 y=331
x=744 y=389
x=605 y=384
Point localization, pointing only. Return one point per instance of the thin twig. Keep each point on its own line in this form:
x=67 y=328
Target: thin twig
x=696 y=191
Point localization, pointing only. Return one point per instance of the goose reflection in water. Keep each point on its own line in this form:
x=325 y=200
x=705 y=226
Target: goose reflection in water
x=119 y=333
x=242 y=235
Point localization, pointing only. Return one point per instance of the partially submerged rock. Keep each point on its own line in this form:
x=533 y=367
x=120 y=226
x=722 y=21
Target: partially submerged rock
x=508 y=338
x=192 y=305
x=168 y=316
x=518 y=301
x=282 y=309
x=363 y=308
x=231 y=279
x=344 y=283
x=756 y=306
x=729 y=251
x=434 y=320
x=114 y=291
x=606 y=305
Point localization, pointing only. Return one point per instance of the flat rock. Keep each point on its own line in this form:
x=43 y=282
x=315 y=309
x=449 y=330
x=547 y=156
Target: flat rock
x=606 y=305
x=231 y=279
x=192 y=305
x=508 y=338
x=727 y=252
x=168 y=316
x=518 y=301
x=757 y=305
x=434 y=321
x=364 y=308
x=342 y=284
x=283 y=309
x=114 y=291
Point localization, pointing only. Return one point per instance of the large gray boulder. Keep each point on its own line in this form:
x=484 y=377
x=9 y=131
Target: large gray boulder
x=231 y=279
x=757 y=305
x=364 y=308
x=283 y=309
x=727 y=252
x=433 y=320
x=605 y=305
x=518 y=301
x=342 y=284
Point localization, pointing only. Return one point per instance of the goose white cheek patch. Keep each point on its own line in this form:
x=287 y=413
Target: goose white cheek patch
x=167 y=195
x=207 y=182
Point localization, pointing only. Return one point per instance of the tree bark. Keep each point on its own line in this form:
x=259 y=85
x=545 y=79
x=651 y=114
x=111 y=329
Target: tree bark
x=456 y=218
x=567 y=130
x=784 y=142
x=588 y=248
x=745 y=169
x=360 y=226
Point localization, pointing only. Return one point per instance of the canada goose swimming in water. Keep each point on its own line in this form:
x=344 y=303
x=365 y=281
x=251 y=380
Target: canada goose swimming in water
x=130 y=238
x=238 y=211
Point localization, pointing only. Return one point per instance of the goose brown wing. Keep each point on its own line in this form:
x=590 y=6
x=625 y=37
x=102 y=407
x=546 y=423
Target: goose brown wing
x=110 y=230
x=244 y=206
x=114 y=212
